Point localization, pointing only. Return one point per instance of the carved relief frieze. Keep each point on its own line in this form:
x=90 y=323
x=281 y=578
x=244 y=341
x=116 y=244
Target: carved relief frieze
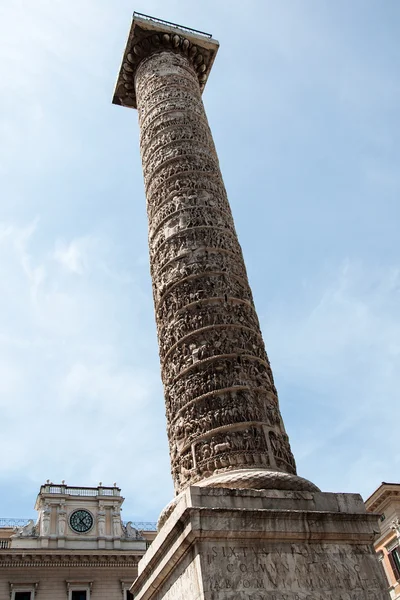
x=207 y=314
x=201 y=286
x=174 y=136
x=188 y=164
x=188 y=267
x=281 y=451
x=209 y=343
x=193 y=239
x=211 y=412
x=177 y=202
x=221 y=402
x=173 y=106
x=196 y=152
x=168 y=94
x=181 y=80
x=222 y=373
x=173 y=120
x=178 y=187
x=188 y=218
x=250 y=439
x=245 y=447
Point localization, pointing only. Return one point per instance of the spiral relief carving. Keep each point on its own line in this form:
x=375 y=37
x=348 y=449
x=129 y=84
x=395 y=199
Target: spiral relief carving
x=221 y=402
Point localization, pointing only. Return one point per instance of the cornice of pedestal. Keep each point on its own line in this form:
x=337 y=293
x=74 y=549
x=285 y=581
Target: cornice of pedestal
x=149 y=36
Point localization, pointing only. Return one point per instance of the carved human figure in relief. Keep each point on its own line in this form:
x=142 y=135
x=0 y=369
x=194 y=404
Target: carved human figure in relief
x=45 y=520
x=116 y=522
x=62 y=519
x=101 y=521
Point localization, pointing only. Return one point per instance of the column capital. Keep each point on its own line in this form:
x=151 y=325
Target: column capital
x=147 y=36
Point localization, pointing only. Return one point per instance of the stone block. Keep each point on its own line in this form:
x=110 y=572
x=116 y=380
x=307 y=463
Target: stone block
x=221 y=544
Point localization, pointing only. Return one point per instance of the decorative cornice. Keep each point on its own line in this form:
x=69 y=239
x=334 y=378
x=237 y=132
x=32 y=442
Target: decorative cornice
x=385 y=494
x=148 y=37
x=50 y=559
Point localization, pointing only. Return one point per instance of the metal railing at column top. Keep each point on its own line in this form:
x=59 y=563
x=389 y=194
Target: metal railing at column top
x=170 y=24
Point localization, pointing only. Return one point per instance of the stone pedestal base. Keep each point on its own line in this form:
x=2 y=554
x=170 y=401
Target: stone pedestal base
x=263 y=545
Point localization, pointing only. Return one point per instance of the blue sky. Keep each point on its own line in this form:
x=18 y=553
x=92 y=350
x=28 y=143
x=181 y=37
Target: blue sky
x=304 y=105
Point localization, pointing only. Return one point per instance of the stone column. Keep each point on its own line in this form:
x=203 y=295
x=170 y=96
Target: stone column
x=223 y=419
x=282 y=539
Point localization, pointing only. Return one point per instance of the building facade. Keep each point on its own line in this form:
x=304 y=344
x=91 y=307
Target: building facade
x=386 y=501
x=78 y=549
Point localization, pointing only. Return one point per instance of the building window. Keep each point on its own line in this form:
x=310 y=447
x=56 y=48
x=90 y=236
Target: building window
x=125 y=586
x=23 y=591
x=394 y=559
x=78 y=595
x=78 y=590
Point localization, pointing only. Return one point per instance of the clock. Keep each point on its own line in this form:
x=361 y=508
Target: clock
x=81 y=521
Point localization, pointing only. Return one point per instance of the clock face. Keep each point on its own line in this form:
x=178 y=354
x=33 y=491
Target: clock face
x=81 y=521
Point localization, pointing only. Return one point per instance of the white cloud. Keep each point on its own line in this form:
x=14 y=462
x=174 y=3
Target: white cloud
x=311 y=103
x=353 y=312
x=74 y=255
x=67 y=389
x=18 y=238
x=337 y=360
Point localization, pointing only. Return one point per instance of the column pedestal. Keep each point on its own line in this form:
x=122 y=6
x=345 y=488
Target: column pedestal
x=223 y=544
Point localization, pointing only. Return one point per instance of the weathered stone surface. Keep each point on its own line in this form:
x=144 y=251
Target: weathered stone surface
x=275 y=545
x=221 y=402
x=149 y=35
x=273 y=535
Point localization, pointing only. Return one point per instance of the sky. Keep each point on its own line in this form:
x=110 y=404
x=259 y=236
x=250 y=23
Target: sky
x=304 y=104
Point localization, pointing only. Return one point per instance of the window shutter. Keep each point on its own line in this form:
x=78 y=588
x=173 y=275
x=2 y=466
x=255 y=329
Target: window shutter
x=394 y=566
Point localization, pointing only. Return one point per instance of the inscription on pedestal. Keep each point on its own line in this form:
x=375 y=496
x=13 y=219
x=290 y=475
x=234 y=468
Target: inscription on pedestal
x=291 y=572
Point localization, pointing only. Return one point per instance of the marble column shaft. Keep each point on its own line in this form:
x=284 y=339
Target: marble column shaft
x=221 y=402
